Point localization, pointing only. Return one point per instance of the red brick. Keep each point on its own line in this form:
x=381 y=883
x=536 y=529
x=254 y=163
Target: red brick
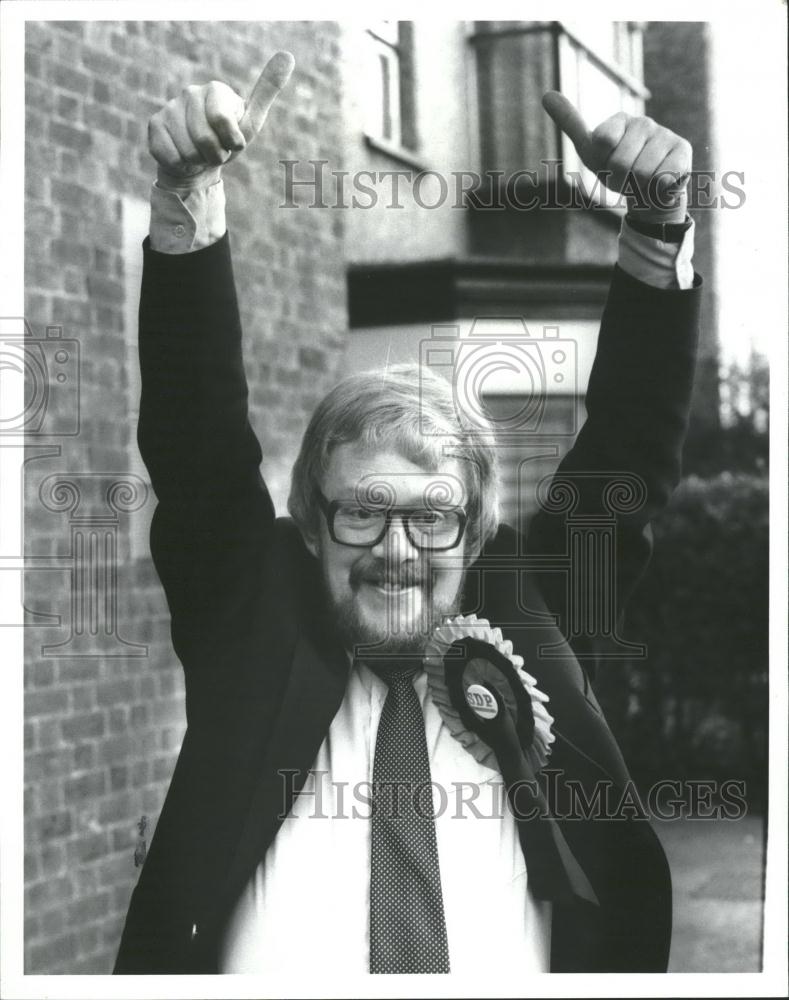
x=170 y=683
x=84 y=726
x=68 y=107
x=47 y=957
x=152 y=799
x=69 y=78
x=66 y=251
x=88 y=940
x=49 y=733
x=124 y=839
x=34 y=125
x=78 y=670
x=38 y=675
x=133 y=132
x=115 y=869
x=32 y=64
x=111 y=930
x=170 y=739
x=76 y=28
x=119 y=719
x=39 y=97
x=85 y=787
x=102 y=65
x=42 y=895
x=50 y=793
x=88 y=847
x=31 y=807
x=117 y=749
x=97 y=116
x=53 y=858
x=116 y=808
x=32 y=927
x=83 y=698
x=138 y=716
x=47 y=763
x=57 y=824
x=86 y=881
x=46 y=702
x=98 y=964
x=72 y=196
x=101 y=92
x=32 y=867
x=52 y=923
x=119 y=778
x=115 y=691
x=139 y=773
x=119 y=44
x=84 y=757
x=163 y=768
x=88 y=910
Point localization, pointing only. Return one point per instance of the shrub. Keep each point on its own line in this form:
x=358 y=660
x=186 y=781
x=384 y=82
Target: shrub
x=696 y=707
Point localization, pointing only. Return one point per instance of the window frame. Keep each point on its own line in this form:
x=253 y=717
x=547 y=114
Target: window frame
x=402 y=143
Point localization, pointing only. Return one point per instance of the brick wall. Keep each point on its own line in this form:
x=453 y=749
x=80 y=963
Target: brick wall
x=104 y=712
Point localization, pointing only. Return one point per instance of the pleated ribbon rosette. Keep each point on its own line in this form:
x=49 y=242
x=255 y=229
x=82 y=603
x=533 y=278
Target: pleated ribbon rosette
x=469 y=626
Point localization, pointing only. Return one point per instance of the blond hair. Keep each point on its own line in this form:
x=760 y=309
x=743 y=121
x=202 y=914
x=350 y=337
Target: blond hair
x=411 y=410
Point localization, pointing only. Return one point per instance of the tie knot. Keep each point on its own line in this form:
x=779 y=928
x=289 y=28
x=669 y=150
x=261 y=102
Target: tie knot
x=399 y=677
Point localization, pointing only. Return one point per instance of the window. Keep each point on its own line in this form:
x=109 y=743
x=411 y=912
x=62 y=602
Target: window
x=597 y=64
x=389 y=115
x=601 y=72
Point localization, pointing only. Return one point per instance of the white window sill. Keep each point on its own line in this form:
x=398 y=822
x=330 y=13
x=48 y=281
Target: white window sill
x=395 y=151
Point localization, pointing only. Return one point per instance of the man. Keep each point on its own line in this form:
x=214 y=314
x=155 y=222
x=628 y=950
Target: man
x=298 y=636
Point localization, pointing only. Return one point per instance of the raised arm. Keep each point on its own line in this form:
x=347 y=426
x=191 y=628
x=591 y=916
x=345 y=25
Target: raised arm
x=194 y=434
x=640 y=387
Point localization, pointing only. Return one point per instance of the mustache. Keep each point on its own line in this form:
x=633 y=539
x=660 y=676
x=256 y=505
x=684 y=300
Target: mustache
x=380 y=574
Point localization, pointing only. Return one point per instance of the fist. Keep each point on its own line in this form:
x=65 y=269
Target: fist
x=650 y=164
x=193 y=135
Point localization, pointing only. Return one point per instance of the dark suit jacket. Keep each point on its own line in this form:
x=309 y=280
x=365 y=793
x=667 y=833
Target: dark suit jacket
x=265 y=673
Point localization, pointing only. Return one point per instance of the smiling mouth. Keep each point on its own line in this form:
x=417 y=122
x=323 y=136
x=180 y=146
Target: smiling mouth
x=387 y=587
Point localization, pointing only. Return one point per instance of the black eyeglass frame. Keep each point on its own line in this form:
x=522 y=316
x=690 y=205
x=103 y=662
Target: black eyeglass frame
x=330 y=508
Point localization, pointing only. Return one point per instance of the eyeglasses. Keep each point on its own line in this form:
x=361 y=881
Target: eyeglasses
x=428 y=528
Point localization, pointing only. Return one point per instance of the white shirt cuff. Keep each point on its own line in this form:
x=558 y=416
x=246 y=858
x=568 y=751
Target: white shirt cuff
x=662 y=265
x=187 y=220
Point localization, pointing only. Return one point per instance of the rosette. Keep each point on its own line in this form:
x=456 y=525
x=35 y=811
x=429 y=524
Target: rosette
x=505 y=675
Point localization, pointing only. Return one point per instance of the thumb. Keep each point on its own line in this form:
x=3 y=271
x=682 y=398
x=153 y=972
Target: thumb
x=275 y=75
x=568 y=118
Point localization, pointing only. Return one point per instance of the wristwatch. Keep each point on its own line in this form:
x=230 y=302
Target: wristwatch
x=667 y=232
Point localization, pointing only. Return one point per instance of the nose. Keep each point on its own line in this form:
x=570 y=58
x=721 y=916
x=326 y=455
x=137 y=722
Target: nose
x=395 y=547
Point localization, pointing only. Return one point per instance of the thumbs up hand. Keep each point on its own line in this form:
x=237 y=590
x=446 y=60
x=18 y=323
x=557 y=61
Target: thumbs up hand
x=632 y=155
x=193 y=135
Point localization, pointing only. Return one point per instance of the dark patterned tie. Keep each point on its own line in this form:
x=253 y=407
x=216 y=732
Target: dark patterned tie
x=407 y=929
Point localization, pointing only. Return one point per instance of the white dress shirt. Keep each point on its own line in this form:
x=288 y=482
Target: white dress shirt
x=313 y=885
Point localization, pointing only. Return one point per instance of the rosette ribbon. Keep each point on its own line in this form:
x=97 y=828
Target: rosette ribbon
x=514 y=736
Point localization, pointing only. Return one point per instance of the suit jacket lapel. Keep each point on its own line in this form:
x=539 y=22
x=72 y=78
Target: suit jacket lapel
x=312 y=698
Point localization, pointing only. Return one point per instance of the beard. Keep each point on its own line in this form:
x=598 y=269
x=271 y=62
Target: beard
x=388 y=644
